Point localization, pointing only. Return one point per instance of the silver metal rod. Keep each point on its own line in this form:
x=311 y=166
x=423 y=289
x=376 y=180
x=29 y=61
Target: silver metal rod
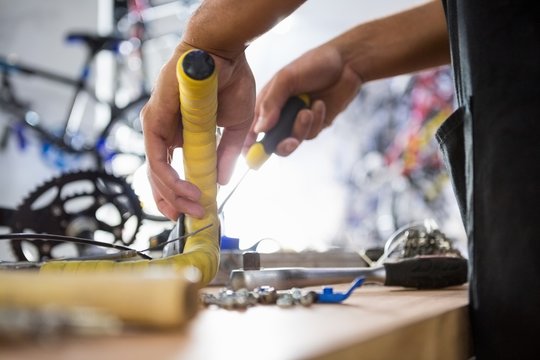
x=286 y=278
x=220 y=209
x=20 y=265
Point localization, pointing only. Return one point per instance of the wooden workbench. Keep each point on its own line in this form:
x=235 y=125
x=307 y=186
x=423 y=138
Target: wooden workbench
x=376 y=322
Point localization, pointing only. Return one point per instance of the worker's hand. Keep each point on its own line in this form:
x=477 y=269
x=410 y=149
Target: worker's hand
x=322 y=74
x=162 y=128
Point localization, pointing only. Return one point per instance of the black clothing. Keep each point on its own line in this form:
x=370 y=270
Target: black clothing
x=492 y=148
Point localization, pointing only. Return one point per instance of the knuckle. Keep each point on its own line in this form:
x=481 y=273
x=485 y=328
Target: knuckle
x=151 y=167
x=284 y=78
x=143 y=116
x=162 y=207
x=145 y=113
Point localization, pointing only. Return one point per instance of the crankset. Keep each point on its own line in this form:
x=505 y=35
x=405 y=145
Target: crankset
x=88 y=204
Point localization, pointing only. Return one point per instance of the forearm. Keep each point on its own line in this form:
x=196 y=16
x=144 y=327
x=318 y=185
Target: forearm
x=399 y=44
x=226 y=27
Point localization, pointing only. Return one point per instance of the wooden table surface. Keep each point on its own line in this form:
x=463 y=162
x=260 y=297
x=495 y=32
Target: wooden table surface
x=376 y=322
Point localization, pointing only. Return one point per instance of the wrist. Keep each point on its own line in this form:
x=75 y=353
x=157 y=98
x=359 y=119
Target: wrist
x=226 y=27
x=396 y=45
x=357 y=50
x=203 y=32
x=220 y=56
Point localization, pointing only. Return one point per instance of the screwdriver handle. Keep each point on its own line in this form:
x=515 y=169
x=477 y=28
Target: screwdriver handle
x=427 y=272
x=259 y=152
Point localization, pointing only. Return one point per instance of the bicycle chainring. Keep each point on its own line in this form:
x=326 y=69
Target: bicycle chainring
x=88 y=204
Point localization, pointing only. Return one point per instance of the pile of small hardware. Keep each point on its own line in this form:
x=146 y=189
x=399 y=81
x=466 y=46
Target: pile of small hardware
x=243 y=298
x=434 y=242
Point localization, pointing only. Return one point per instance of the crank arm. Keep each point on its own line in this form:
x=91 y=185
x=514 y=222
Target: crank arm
x=5 y=216
x=19 y=265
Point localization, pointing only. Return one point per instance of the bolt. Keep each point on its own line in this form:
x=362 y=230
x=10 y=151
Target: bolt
x=253 y=299
x=308 y=298
x=227 y=302
x=266 y=294
x=296 y=294
x=209 y=299
x=285 y=300
x=241 y=298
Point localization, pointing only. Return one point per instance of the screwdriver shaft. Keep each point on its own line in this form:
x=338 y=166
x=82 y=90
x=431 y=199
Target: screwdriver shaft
x=220 y=209
x=261 y=151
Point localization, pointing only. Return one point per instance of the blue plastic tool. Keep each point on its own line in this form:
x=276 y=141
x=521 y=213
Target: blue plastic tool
x=330 y=297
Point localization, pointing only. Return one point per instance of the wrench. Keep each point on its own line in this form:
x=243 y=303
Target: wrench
x=421 y=272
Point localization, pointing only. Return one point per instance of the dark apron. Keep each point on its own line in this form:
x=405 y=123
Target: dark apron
x=491 y=145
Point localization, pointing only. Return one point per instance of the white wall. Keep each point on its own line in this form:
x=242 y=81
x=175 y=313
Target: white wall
x=33 y=32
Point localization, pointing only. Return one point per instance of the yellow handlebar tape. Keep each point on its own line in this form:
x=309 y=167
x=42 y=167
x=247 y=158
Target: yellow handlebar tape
x=197 y=79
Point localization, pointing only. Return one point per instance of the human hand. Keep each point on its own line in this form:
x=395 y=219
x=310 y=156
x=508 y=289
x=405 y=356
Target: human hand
x=162 y=127
x=321 y=73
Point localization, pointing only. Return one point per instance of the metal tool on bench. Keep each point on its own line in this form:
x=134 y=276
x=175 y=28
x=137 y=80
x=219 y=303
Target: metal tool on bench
x=237 y=259
x=429 y=262
x=422 y=272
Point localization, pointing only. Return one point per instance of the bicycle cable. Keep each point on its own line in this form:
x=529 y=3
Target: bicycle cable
x=77 y=240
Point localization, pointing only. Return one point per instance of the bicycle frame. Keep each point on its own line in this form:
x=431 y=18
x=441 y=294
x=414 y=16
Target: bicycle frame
x=80 y=85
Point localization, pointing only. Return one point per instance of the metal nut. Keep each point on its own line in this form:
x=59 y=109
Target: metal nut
x=266 y=294
x=308 y=298
x=251 y=260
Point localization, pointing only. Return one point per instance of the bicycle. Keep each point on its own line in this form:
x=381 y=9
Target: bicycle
x=66 y=140
x=397 y=176
x=84 y=203
x=154 y=30
x=82 y=213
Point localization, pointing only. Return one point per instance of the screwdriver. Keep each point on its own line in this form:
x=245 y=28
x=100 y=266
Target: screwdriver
x=261 y=151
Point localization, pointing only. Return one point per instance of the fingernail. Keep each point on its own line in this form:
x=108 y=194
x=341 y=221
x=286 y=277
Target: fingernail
x=290 y=147
x=198 y=213
x=194 y=194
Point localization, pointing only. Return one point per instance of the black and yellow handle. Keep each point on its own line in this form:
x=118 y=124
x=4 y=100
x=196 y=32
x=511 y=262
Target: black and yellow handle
x=197 y=81
x=261 y=151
